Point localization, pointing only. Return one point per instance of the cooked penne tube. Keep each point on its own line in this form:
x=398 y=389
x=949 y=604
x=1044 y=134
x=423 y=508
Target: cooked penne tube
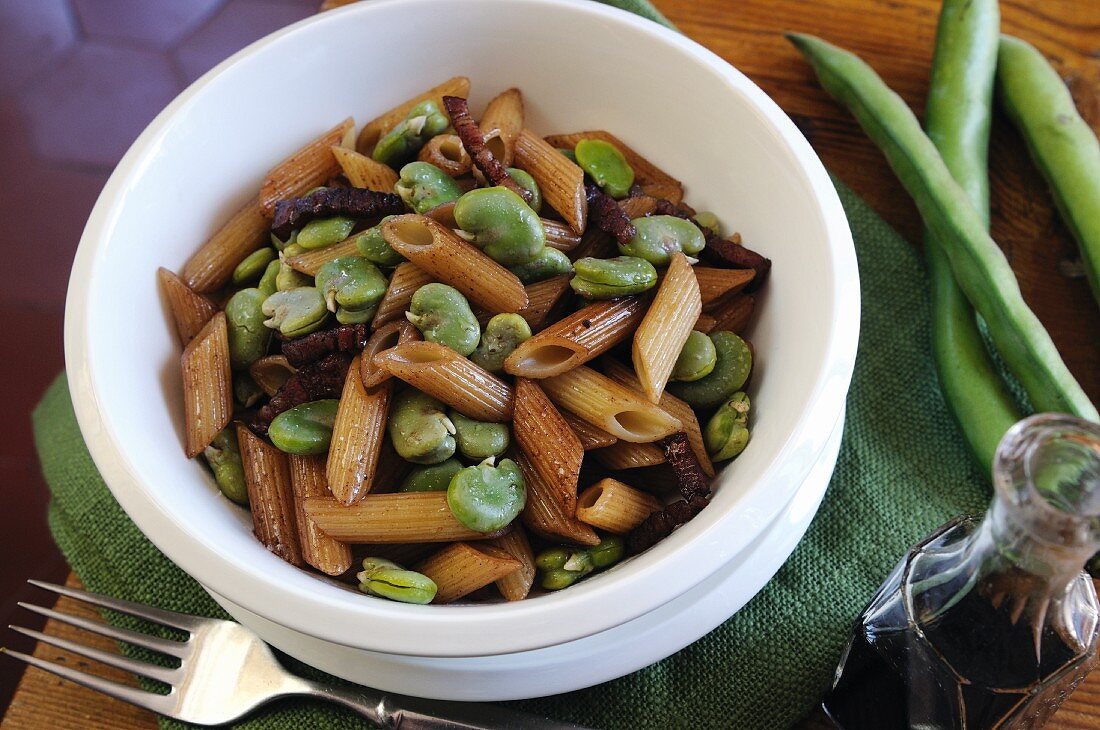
x=638 y=207
x=388 y=335
x=733 y=313
x=409 y=553
x=543 y=298
x=211 y=266
x=374 y=129
x=207 y=385
x=560 y=236
x=625 y=455
x=558 y=177
x=404 y=281
x=616 y=507
x=442 y=373
x=580 y=337
x=672 y=192
x=437 y=250
x=190 y=311
x=543 y=514
x=310 y=262
x=596 y=244
x=672 y=405
x=590 y=436
x=307 y=477
x=716 y=283
x=307 y=168
x=705 y=323
x=645 y=172
x=516 y=585
x=391 y=470
x=616 y=409
x=666 y=326
x=271 y=372
x=357 y=435
x=501 y=124
x=364 y=172
x=461 y=569
x=446 y=152
x=270 y=496
x=551 y=446
x=385 y=518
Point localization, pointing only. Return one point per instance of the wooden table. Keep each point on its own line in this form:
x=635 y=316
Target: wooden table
x=896 y=37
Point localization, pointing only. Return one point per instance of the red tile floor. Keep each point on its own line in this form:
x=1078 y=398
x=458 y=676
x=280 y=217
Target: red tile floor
x=79 y=79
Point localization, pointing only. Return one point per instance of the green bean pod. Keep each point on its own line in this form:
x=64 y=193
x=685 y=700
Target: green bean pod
x=979 y=264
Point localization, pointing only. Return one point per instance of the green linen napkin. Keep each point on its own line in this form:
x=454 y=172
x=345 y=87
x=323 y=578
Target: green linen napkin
x=902 y=471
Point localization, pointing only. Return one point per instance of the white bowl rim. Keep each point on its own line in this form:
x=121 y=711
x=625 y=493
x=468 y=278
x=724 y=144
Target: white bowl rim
x=587 y=608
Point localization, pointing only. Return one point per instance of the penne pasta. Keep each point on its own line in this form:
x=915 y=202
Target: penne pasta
x=716 y=283
x=616 y=409
x=590 y=436
x=501 y=123
x=672 y=192
x=558 y=177
x=374 y=129
x=207 y=385
x=310 y=262
x=616 y=507
x=516 y=585
x=404 y=517
x=442 y=373
x=404 y=281
x=211 y=266
x=364 y=172
x=408 y=553
x=307 y=478
x=388 y=335
x=705 y=323
x=560 y=236
x=307 y=168
x=271 y=372
x=270 y=496
x=580 y=337
x=595 y=244
x=551 y=446
x=190 y=311
x=446 y=152
x=645 y=172
x=732 y=313
x=437 y=250
x=543 y=298
x=542 y=513
x=625 y=455
x=460 y=569
x=638 y=207
x=357 y=435
x=391 y=470
x=666 y=326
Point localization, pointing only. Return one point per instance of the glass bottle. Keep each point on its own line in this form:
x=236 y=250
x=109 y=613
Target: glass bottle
x=988 y=623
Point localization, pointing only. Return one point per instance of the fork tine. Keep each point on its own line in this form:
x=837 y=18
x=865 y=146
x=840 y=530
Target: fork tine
x=145 y=669
x=165 y=646
x=160 y=704
x=141 y=610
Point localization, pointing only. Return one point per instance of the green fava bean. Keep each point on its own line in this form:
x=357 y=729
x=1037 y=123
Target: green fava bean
x=244 y=319
x=610 y=551
x=304 y=429
x=433 y=478
x=606 y=165
x=325 y=232
x=552 y=558
x=609 y=278
x=423 y=186
x=549 y=262
x=254 y=265
x=486 y=498
x=424 y=121
x=558 y=578
x=373 y=247
x=502 y=224
x=503 y=334
x=419 y=428
x=288 y=278
x=280 y=244
x=525 y=181
x=443 y=315
x=697 y=358
x=660 y=236
x=709 y=221
x=351 y=285
x=478 y=439
x=268 y=282
x=386 y=579
x=731 y=370
x=296 y=312
x=727 y=431
x=569 y=154
x=224 y=457
x=246 y=390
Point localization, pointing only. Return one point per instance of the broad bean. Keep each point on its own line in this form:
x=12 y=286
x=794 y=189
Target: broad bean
x=606 y=165
x=387 y=579
x=224 y=457
x=615 y=277
x=374 y=248
x=660 y=236
x=549 y=262
x=503 y=334
x=423 y=186
x=424 y=121
x=561 y=567
x=306 y=428
x=244 y=318
x=568 y=153
x=281 y=245
x=324 y=232
x=502 y=224
x=254 y=265
x=708 y=221
x=246 y=390
x=268 y=282
x=731 y=370
x=525 y=181
x=288 y=277
x=352 y=287
x=419 y=428
x=431 y=478
x=479 y=440
x=443 y=315
x=295 y=312
x=697 y=358
x=485 y=497
x=727 y=431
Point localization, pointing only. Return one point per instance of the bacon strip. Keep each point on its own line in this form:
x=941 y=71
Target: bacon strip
x=342 y=338
x=660 y=524
x=321 y=379
x=732 y=255
x=352 y=202
x=607 y=216
x=458 y=109
x=692 y=480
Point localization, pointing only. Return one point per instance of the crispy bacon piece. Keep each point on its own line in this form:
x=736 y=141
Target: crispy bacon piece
x=680 y=210
x=607 y=216
x=693 y=481
x=321 y=379
x=352 y=202
x=459 y=111
x=342 y=338
x=660 y=524
x=732 y=255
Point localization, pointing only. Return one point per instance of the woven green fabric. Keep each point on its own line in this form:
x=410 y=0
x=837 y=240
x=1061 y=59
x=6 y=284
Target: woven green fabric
x=902 y=471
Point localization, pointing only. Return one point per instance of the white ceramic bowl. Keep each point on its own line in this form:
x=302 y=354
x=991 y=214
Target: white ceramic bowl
x=580 y=65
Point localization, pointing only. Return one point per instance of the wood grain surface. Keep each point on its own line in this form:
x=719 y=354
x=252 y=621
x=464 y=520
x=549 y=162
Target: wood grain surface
x=896 y=37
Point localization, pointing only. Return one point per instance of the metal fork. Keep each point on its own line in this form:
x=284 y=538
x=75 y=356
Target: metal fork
x=226 y=671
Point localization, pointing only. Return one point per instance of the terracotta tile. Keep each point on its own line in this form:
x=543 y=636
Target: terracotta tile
x=239 y=23
x=90 y=108
x=157 y=22
x=32 y=34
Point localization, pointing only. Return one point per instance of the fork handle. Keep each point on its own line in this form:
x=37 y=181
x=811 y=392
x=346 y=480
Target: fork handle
x=398 y=712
